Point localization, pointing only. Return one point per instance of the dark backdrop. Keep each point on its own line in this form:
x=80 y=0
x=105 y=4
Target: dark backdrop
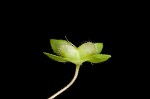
x=29 y=74
x=35 y=76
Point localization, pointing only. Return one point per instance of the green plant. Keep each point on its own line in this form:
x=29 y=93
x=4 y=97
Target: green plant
x=67 y=52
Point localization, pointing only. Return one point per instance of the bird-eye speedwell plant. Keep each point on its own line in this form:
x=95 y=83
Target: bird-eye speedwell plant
x=67 y=52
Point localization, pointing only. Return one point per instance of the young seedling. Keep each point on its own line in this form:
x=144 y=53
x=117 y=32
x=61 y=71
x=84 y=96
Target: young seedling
x=67 y=52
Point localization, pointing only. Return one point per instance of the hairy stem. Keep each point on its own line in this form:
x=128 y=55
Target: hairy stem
x=68 y=85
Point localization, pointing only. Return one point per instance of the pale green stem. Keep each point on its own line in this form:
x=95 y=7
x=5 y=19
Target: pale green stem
x=68 y=85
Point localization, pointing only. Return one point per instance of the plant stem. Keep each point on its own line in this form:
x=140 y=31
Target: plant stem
x=68 y=85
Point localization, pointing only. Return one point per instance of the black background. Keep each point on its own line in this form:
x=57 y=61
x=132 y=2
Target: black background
x=34 y=76
x=27 y=28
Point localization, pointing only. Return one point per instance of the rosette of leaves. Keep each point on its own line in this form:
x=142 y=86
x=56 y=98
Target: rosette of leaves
x=65 y=51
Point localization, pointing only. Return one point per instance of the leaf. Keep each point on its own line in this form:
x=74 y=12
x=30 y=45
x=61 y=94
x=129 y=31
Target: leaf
x=69 y=51
x=86 y=49
x=99 y=47
x=55 y=44
x=54 y=57
x=98 y=58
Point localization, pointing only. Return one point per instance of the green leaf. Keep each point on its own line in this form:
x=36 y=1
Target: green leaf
x=54 y=57
x=86 y=49
x=99 y=47
x=98 y=58
x=69 y=51
x=55 y=44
